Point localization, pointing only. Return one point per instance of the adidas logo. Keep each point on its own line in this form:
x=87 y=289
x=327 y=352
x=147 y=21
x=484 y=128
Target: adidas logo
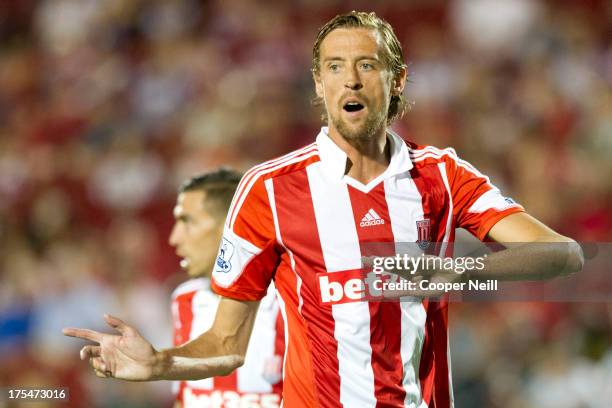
x=371 y=218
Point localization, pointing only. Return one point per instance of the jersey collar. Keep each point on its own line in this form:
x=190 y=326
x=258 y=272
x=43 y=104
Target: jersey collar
x=334 y=158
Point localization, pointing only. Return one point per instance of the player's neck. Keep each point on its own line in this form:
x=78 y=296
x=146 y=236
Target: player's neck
x=366 y=158
x=205 y=273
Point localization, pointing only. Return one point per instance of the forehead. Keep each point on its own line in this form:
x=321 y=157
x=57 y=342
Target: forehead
x=343 y=41
x=189 y=202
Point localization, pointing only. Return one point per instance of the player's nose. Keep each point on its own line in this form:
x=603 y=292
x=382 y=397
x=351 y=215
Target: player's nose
x=174 y=237
x=353 y=81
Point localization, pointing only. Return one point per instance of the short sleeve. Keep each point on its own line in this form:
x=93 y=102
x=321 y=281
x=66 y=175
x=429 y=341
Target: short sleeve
x=248 y=255
x=477 y=204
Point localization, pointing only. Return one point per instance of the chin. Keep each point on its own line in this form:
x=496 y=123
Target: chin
x=363 y=131
x=360 y=132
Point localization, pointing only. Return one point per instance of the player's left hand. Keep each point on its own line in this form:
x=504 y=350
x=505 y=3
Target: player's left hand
x=127 y=356
x=439 y=277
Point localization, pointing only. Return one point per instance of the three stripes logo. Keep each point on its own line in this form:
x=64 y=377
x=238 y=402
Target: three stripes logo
x=370 y=219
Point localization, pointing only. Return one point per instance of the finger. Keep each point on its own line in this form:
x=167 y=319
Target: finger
x=367 y=261
x=86 y=334
x=101 y=374
x=117 y=324
x=97 y=364
x=90 y=351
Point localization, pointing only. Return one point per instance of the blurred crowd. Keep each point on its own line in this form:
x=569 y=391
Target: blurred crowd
x=106 y=106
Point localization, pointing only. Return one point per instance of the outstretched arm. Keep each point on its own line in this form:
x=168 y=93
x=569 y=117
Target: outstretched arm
x=535 y=251
x=129 y=356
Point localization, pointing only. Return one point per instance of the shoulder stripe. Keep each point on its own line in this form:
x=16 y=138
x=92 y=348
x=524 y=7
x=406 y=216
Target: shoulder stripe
x=241 y=196
x=252 y=170
x=434 y=152
x=461 y=163
x=248 y=176
x=431 y=149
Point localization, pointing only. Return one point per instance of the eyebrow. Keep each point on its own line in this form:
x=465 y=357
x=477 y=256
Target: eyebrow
x=360 y=58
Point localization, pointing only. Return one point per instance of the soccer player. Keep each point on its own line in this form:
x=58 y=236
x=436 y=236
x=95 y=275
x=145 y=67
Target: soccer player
x=199 y=213
x=302 y=220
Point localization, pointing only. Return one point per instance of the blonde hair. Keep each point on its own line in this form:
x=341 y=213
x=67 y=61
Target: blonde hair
x=392 y=52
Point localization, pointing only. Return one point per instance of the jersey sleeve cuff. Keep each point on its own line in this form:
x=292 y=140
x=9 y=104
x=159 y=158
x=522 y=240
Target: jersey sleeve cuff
x=237 y=293
x=494 y=218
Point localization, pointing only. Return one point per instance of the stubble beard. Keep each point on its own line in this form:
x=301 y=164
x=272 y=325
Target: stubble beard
x=373 y=124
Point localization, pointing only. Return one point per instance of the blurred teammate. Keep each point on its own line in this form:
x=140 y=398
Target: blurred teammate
x=302 y=220
x=200 y=209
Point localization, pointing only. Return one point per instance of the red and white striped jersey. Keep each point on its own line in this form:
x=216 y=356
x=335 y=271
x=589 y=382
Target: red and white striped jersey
x=258 y=383
x=299 y=217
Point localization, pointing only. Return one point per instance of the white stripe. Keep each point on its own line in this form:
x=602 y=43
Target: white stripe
x=432 y=149
x=369 y=217
x=190 y=286
x=271 y=199
x=281 y=305
x=492 y=199
x=243 y=252
x=340 y=247
x=250 y=377
x=374 y=214
x=261 y=173
x=449 y=219
x=203 y=310
x=405 y=207
x=252 y=172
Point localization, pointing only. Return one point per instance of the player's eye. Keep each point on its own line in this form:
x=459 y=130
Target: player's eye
x=334 y=67
x=366 y=66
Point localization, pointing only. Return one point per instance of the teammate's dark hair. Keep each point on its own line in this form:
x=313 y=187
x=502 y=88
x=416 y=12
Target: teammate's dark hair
x=219 y=187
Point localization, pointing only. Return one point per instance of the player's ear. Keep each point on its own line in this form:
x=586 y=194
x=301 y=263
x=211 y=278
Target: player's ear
x=318 y=85
x=399 y=81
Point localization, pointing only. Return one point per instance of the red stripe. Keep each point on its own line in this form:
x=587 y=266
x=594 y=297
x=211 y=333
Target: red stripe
x=228 y=382
x=273 y=162
x=433 y=370
x=179 y=395
x=385 y=327
x=255 y=171
x=181 y=335
x=298 y=385
x=185 y=317
x=298 y=226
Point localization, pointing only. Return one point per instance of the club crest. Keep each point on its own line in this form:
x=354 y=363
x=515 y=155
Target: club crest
x=423 y=233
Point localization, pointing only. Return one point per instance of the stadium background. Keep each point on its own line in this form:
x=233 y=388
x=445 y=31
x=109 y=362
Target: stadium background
x=105 y=106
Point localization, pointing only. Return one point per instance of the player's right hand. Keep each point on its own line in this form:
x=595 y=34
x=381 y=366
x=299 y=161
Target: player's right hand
x=126 y=355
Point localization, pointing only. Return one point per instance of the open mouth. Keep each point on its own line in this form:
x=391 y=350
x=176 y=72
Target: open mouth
x=353 y=107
